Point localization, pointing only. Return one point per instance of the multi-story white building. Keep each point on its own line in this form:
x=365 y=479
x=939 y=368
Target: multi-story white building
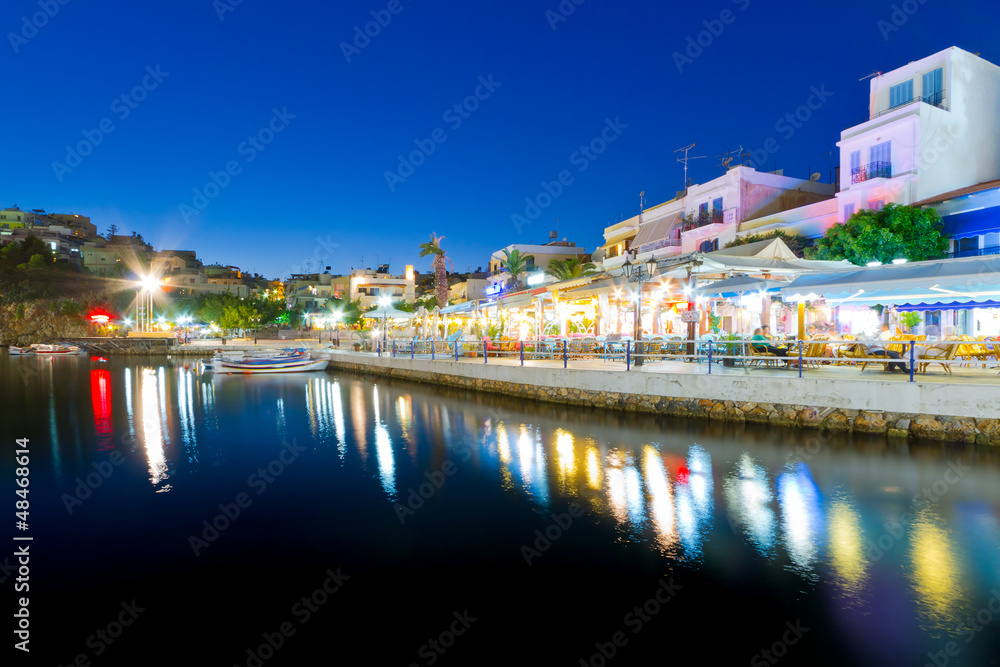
x=708 y=215
x=370 y=286
x=932 y=138
x=932 y=128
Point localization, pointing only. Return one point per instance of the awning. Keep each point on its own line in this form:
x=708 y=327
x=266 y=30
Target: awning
x=654 y=231
x=773 y=248
x=737 y=286
x=388 y=313
x=983 y=221
x=464 y=307
x=966 y=281
x=954 y=305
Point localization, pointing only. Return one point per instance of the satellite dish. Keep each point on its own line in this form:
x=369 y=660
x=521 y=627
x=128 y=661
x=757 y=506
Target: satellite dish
x=814 y=177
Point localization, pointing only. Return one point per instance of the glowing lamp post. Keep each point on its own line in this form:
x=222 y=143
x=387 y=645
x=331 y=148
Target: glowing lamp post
x=144 y=303
x=384 y=302
x=337 y=316
x=634 y=273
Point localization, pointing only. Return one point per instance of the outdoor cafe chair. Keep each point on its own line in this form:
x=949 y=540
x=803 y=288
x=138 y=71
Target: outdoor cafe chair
x=937 y=355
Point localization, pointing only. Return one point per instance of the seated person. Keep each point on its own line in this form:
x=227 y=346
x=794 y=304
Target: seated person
x=758 y=334
x=882 y=352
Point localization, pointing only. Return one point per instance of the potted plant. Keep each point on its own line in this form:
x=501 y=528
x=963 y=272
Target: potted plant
x=733 y=347
x=910 y=319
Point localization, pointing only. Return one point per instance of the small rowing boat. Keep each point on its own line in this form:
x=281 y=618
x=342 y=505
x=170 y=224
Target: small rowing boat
x=55 y=350
x=283 y=361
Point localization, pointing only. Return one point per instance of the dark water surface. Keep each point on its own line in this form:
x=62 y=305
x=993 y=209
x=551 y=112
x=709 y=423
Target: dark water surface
x=456 y=528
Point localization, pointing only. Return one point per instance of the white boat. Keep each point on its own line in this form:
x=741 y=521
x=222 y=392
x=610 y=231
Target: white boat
x=57 y=350
x=15 y=351
x=283 y=361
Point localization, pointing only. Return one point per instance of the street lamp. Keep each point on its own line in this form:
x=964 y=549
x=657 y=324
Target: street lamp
x=337 y=315
x=384 y=302
x=634 y=273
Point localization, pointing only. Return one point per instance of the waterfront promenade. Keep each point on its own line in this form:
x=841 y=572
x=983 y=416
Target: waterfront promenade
x=959 y=407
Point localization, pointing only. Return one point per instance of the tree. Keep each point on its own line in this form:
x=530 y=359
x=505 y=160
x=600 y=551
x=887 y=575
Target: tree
x=573 y=267
x=516 y=264
x=881 y=236
x=433 y=247
x=797 y=243
x=242 y=315
x=112 y=231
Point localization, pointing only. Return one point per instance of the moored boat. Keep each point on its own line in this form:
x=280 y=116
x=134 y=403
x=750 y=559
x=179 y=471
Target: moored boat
x=283 y=361
x=15 y=351
x=57 y=349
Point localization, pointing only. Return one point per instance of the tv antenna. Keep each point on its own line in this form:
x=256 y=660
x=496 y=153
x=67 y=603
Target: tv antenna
x=684 y=161
x=642 y=200
x=726 y=159
x=876 y=73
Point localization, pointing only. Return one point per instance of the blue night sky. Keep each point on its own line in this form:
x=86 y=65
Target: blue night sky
x=319 y=189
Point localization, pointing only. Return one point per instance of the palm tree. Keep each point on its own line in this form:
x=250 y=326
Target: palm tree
x=572 y=267
x=433 y=247
x=516 y=264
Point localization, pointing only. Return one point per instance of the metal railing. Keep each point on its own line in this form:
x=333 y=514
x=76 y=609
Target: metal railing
x=934 y=99
x=870 y=171
x=662 y=243
x=975 y=252
x=915 y=356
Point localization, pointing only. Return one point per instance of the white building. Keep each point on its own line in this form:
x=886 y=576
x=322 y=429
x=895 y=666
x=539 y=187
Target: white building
x=369 y=287
x=539 y=257
x=933 y=128
x=718 y=208
x=932 y=138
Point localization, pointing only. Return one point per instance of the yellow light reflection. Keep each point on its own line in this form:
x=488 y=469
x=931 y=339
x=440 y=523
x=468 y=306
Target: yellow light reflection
x=503 y=444
x=847 y=553
x=565 y=458
x=617 y=495
x=937 y=578
x=593 y=468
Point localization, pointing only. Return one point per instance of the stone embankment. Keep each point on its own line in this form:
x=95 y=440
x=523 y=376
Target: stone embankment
x=982 y=430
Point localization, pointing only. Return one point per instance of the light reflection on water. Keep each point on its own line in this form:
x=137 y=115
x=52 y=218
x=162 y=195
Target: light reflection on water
x=790 y=517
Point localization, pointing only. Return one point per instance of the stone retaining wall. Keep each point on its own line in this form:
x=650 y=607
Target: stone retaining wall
x=891 y=424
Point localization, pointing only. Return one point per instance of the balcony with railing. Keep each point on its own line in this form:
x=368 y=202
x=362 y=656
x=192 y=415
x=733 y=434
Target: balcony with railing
x=871 y=170
x=934 y=99
x=662 y=243
x=975 y=252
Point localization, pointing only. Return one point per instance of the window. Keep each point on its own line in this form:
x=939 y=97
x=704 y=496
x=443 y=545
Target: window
x=855 y=162
x=932 y=89
x=968 y=246
x=876 y=205
x=703 y=211
x=717 y=205
x=901 y=94
x=848 y=211
x=880 y=160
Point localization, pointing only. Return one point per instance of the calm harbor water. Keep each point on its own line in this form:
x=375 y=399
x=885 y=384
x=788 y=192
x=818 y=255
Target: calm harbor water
x=307 y=519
